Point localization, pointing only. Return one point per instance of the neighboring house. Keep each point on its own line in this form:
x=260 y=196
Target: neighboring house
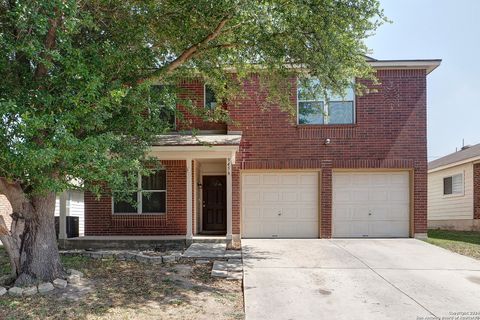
x=454 y=190
x=73 y=207
x=359 y=170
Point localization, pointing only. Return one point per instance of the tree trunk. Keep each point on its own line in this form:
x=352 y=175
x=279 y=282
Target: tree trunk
x=39 y=257
x=31 y=242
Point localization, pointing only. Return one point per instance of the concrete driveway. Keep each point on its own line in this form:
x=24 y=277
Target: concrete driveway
x=357 y=279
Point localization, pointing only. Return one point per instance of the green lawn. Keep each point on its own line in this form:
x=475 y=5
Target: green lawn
x=462 y=242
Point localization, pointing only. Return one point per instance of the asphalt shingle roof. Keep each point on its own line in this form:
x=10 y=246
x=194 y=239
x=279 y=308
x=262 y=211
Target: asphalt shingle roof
x=471 y=152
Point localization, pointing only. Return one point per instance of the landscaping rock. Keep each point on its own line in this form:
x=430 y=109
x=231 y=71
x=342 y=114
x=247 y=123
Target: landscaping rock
x=169 y=258
x=30 y=291
x=200 y=261
x=233 y=254
x=96 y=255
x=45 y=287
x=73 y=278
x=3 y=291
x=219 y=269
x=235 y=265
x=15 y=291
x=235 y=276
x=60 y=283
x=74 y=272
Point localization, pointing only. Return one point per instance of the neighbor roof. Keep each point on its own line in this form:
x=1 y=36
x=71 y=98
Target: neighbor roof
x=466 y=155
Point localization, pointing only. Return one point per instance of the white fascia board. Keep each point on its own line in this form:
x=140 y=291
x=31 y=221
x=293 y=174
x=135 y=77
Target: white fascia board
x=428 y=65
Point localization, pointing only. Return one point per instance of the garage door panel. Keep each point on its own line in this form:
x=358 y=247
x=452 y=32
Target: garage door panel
x=297 y=229
x=252 y=213
x=290 y=196
x=286 y=205
x=253 y=180
x=289 y=179
x=373 y=204
x=309 y=180
x=270 y=179
x=251 y=196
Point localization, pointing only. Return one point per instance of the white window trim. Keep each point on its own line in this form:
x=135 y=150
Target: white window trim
x=453 y=195
x=325 y=112
x=140 y=200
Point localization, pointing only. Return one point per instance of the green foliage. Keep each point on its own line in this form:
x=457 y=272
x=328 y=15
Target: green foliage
x=75 y=95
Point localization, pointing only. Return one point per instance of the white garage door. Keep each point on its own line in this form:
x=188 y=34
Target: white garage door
x=280 y=205
x=369 y=204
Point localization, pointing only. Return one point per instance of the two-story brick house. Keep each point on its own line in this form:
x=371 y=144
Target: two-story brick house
x=357 y=169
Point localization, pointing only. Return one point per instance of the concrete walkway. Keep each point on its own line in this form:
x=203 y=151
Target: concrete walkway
x=357 y=279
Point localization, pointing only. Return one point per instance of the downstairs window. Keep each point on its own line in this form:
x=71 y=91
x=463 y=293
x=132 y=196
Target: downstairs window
x=149 y=198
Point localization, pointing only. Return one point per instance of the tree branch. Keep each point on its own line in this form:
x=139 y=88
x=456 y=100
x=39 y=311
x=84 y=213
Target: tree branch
x=50 y=42
x=190 y=51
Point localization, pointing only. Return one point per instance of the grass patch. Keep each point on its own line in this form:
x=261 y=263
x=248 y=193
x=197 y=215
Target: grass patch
x=463 y=242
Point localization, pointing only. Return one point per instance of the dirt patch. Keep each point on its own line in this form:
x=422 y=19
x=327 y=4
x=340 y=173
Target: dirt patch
x=131 y=290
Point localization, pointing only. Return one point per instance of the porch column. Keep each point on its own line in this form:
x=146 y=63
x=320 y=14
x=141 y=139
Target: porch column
x=189 y=200
x=229 y=198
x=62 y=230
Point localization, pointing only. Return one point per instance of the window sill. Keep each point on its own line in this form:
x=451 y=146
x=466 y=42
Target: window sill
x=119 y=214
x=456 y=195
x=328 y=125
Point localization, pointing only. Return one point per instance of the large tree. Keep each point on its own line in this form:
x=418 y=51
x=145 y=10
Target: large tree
x=76 y=102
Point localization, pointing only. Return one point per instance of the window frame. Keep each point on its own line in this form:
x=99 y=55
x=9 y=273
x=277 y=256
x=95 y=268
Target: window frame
x=326 y=111
x=461 y=193
x=205 y=99
x=139 y=193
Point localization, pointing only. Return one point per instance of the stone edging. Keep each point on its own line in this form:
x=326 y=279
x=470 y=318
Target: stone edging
x=74 y=276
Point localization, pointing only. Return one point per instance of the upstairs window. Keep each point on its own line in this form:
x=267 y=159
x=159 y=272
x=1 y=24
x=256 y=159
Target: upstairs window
x=210 y=99
x=453 y=185
x=165 y=97
x=315 y=108
x=149 y=196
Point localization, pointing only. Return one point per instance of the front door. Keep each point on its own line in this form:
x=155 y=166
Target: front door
x=214 y=204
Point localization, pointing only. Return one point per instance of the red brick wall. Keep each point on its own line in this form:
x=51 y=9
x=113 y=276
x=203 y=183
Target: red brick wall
x=194 y=90
x=99 y=220
x=476 y=191
x=390 y=132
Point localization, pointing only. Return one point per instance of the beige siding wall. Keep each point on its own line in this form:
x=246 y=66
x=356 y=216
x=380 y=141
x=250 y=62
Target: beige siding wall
x=442 y=207
x=75 y=208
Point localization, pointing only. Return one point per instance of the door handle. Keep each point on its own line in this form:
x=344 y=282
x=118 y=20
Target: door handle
x=279 y=213
x=369 y=212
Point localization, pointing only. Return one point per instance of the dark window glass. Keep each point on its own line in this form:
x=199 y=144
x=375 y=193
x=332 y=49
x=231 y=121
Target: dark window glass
x=154 y=202
x=447 y=185
x=210 y=100
x=126 y=206
x=156 y=181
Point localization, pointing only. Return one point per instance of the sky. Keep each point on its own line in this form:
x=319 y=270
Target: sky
x=448 y=30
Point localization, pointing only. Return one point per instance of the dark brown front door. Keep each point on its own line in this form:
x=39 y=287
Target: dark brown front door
x=214 y=204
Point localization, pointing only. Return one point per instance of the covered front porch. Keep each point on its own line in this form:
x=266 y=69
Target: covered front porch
x=209 y=160
x=198 y=201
